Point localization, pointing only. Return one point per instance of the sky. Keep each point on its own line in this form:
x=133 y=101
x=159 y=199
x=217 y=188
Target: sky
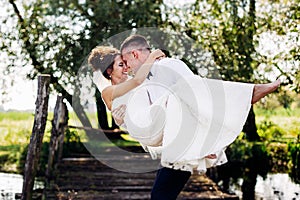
x=22 y=94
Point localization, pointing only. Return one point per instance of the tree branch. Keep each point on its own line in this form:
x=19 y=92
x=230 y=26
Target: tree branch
x=30 y=48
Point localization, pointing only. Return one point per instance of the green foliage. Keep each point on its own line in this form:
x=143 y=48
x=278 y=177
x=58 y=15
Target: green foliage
x=71 y=136
x=279 y=156
x=269 y=131
x=262 y=112
x=9 y=157
x=285 y=99
x=278 y=125
x=227 y=33
x=72 y=144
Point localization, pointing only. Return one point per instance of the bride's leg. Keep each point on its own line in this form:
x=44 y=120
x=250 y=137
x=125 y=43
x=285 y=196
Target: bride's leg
x=261 y=90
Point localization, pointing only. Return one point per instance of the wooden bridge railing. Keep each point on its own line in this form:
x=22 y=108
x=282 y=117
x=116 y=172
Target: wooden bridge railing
x=59 y=124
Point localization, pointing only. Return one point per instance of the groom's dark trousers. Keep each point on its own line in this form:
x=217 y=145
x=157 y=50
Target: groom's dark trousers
x=169 y=183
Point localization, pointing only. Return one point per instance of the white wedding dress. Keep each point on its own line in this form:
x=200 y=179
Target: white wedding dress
x=196 y=117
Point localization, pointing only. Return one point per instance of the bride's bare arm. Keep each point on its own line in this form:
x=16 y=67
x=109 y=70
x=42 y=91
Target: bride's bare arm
x=114 y=91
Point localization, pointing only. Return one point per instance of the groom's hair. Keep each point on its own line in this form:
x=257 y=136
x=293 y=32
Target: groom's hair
x=134 y=41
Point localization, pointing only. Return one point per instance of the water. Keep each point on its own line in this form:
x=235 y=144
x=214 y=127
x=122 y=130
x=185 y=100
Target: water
x=274 y=187
x=277 y=187
x=10 y=184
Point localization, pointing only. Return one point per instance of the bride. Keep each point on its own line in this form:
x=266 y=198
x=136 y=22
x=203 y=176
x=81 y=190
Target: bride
x=194 y=119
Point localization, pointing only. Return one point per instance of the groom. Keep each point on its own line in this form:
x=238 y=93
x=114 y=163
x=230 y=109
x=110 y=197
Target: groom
x=135 y=50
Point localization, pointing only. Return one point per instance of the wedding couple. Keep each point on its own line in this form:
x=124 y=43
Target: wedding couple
x=185 y=119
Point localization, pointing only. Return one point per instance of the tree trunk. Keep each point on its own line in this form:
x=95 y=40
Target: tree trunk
x=102 y=115
x=101 y=111
x=250 y=128
x=113 y=124
x=36 y=139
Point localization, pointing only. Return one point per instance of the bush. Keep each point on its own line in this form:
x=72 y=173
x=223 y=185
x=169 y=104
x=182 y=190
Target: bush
x=279 y=157
x=73 y=144
x=9 y=157
x=267 y=130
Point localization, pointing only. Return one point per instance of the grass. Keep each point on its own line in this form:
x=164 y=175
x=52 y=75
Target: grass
x=15 y=116
x=286 y=119
x=16 y=127
x=15 y=132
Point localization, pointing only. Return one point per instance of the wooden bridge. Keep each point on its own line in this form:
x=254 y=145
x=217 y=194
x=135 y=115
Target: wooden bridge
x=86 y=178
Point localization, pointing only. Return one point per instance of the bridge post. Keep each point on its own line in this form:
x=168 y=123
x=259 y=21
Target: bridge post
x=36 y=139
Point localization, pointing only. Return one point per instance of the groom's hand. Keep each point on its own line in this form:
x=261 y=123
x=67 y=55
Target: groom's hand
x=211 y=156
x=118 y=114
